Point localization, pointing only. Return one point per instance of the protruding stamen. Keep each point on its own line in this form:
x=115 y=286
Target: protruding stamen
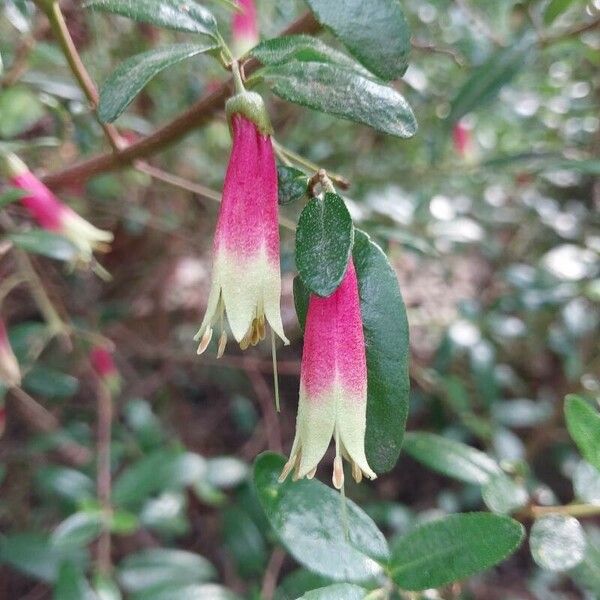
x=255 y=332
x=356 y=473
x=222 y=344
x=205 y=341
x=311 y=474
x=261 y=327
x=338 y=473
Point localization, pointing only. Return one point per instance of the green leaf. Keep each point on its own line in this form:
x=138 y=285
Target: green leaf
x=66 y=483
x=307 y=517
x=45 y=243
x=586 y=483
x=303 y=48
x=324 y=239
x=587 y=572
x=344 y=93
x=556 y=8
x=181 y=16
x=337 y=591
x=50 y=383
x=301 y=298
x=20 y=109
x=453 y=548
x=557 y=542
x=207 y=591
x=10 y=195
x=502 y=495
x=150 y=570
x=71 y=584
x=299 y=582
x=244 y=542
x=292 y=185
x=129 y=78
x=451 y=458
x=226 y=472
x=583 y=423
x=486 y=81
x=106 y=588
x=385 y=328
x=375 y=32
x=79 y=529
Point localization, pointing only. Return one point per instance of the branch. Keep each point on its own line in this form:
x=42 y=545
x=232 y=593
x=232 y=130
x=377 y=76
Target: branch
x=197 y=115
x=573 y=32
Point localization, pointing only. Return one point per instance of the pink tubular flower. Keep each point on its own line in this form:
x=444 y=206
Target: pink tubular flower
x=246 y=280
x=461 y=138
x=10 y=374
x=244 y=27
x=103 y=363
x=51 y=214
x=333 y=386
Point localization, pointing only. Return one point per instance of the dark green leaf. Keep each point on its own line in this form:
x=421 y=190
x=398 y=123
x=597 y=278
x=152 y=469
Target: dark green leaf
x=557 y=542
x=173 y=14
x=299 y=582
x=292 y=184
x=50 y=383
x=11 y=195
x=453 y=548
x=307 y=517
x=301 y=298
x=129 y=78
x=151 y=569
x=303 y=48
x=244 y=541
x=583 y=423
x=452 y=458
x=385 y=329
x=556 y=8
x=363 y=27
x=337 y=591
x=324 y=239
x=342 y=92
x=71 y=584
x=487 y=80
x=79 y=529
x=45 y=243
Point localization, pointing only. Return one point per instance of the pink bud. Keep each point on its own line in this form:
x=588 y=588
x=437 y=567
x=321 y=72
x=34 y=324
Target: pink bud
x=10 y=374
x=244 y=27
x=461 y=137
x=103 y=363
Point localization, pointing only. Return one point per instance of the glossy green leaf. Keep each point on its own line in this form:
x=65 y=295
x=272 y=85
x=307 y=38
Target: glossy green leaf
x=337 y=591
x=583 y=423
x=79 y=529
x=292 y=184
x=244 y=542
x=129 y=78
x=150 y=570
x=344 y=93
x=307 y=517
x=303 y=48
x=453 y=548
x=324 y=238
x=451 y=458
x=297 y=583
x=385 y=329
x=49 y=383
x=10 y=195
x=45 y=243
x=301 y=298
x=182 y=16
x=557 y=542
x=362 y=27
x=71 y=584
x=486 y=81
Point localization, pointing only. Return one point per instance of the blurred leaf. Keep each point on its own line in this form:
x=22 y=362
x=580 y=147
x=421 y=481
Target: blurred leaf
x=324 y=239
x=299 y=582
x=486 y=81
x=244 y=541
x=557 y=542
x=583 y=423
x=385 y=329
x=20 y=109
x=79 y=529
x=186 y=16
x=45 y=243
x=502 y=495
x=363 y=27
x=451 y=458
x=344 y=93
x=123 y=523
x=301 y=298
x=27 y=338
x=586 y=483
x=151 y=570
x=129 y=78
x=10 y=195
x=67 y=483
x=226 y=472
x=337 y=591
x=47 y=382
x=208 y=591
x=106 y=588
x=307 y=518
x=292 y=184
x=587 y=572
x=166 y=514
x=303 y=48
x=453 y=548
x=556 y=8
x=71 y=584
x=147 y=426
x=34 y=555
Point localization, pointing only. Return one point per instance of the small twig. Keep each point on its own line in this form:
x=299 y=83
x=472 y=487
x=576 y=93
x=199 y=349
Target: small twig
x=269 y=583
x=428 y=47
x=574 y=510
x=573 y=32
x=263 y=394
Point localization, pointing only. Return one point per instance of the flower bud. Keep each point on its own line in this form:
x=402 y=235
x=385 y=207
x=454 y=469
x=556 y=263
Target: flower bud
x=104 y=365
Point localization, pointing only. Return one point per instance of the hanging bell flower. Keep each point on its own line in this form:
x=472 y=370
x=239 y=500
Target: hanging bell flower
x=10 y=374
x=333 y=386
x=52 y=214
x=244 y=27
x=246 y=278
